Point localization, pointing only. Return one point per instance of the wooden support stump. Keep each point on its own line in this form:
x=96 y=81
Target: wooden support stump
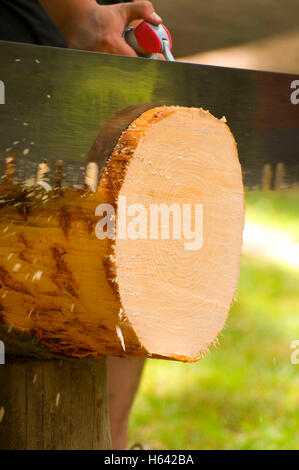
x=53 y=405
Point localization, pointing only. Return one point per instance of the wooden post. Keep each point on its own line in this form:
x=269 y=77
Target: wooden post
x=266 y=177
x=279 y=176
x=53 y=405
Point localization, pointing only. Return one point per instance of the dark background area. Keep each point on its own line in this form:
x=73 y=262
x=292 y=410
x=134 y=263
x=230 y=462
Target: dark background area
x=201 y=25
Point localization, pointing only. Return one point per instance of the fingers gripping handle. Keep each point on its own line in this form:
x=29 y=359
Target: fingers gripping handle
x=149 y=40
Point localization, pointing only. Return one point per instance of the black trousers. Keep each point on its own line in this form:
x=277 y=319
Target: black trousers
x=26 y=21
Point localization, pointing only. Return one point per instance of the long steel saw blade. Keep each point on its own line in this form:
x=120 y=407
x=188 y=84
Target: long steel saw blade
x=69 y=105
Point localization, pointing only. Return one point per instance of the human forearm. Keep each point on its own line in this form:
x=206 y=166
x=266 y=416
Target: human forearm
x=60 y=11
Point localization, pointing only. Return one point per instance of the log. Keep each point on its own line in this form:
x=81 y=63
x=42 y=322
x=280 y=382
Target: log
x=53 y=405
x=162 y=283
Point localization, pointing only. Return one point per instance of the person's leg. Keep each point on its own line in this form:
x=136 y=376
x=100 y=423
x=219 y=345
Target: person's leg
x=123 y=380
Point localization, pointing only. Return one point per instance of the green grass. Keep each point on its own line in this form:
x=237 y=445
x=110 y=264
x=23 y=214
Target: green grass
x=276 y=209
x=245 y=393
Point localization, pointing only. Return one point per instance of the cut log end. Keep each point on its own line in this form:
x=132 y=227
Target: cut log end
x=163 y=286
x=176 y=291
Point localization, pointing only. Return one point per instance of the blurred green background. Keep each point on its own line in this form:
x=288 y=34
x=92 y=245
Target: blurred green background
x=245 y=393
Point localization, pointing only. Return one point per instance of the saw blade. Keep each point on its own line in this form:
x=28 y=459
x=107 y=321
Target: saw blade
x=71 y=106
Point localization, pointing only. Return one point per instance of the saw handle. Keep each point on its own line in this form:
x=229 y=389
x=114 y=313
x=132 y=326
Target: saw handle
x=148 y=40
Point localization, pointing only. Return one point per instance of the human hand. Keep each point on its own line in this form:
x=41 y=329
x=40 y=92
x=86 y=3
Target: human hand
x=89 y=26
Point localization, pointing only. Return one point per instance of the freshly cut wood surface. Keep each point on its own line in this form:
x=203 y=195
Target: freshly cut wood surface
x=177 y=300
x=141 y=295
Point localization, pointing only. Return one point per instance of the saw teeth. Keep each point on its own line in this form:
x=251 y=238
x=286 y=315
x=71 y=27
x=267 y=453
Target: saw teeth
x=91 y=176
x=43 y=171
x=10 y=167
x=44 y=179
x=58 y=176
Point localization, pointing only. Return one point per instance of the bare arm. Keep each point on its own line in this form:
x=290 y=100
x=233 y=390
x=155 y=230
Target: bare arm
x=85 y=24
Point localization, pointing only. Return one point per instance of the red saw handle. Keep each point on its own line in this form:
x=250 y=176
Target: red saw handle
x=151 y=37
x=148 y=39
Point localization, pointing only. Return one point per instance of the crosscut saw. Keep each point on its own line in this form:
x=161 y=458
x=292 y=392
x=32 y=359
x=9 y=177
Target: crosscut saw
x=57 y=102
x=62 y=113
